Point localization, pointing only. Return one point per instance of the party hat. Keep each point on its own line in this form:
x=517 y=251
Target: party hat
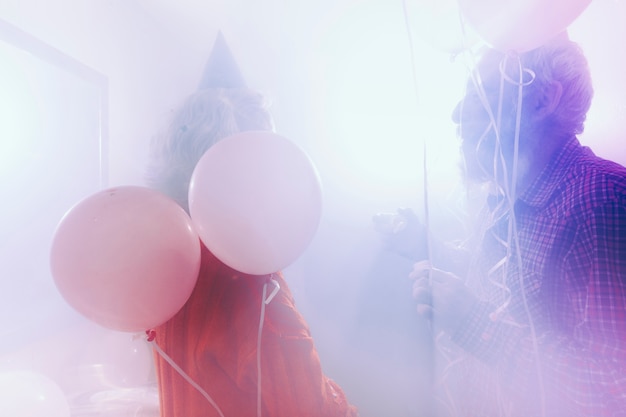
x=221 y=69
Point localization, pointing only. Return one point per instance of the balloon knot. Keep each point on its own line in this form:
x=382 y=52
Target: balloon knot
x=274 y=292
x=150 y=335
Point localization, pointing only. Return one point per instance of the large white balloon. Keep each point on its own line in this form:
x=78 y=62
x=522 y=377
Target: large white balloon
x=520 y=25
x=441 y=24
x=255 y=198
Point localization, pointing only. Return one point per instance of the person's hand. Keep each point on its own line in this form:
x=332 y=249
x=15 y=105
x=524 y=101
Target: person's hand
x=441 y=296
x=402 y=233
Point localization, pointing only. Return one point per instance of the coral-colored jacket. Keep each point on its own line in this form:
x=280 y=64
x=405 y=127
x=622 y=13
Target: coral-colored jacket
x=214 y=340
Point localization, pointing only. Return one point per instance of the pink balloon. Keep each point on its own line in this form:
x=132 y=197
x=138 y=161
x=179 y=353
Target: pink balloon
x=255 y=198
x=520 y=25
x=127 y=258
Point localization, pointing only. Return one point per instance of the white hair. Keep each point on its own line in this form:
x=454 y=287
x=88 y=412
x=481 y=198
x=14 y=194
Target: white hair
x=564 y=61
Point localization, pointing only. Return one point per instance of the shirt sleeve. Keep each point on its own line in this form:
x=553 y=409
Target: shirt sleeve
x=580 y=366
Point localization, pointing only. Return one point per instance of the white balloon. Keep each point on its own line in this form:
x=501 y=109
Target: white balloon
x=255 y=199
x=30 y=394
x=520 y=25
x=441 y=24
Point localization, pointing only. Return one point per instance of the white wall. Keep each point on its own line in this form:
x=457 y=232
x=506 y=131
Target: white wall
x=118 y=39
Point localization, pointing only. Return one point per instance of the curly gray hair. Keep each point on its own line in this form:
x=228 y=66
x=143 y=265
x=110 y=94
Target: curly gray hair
x=203 y=119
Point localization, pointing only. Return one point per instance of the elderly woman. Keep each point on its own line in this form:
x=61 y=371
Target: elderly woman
x=214 y=338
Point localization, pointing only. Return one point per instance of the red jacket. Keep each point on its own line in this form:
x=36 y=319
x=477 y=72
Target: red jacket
x=214 y=340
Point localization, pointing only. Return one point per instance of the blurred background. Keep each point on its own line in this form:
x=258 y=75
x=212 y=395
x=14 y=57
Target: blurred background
x=364 y=86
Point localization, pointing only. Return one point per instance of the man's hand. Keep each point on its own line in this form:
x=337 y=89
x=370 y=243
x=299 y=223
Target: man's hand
x=441 y=296
x=403 y=233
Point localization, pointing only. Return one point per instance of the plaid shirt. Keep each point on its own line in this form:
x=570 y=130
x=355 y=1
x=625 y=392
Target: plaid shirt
x=551 y=340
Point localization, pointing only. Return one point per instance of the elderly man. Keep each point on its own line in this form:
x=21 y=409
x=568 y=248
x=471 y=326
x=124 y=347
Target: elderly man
x=536 y=323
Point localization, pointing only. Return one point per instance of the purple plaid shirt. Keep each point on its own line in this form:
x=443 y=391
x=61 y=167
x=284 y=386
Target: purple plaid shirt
x=558 y=346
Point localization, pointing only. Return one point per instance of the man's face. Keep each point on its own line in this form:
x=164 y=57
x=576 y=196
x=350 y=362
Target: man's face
x=486 y=119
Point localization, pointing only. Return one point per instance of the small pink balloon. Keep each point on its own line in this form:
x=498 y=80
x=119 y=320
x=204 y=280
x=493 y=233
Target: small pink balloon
x=256 y=200
x=127 y=258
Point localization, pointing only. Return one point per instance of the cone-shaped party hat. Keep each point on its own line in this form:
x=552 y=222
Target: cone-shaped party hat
x=221 y=69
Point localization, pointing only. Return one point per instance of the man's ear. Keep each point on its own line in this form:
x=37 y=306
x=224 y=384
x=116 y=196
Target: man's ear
x=545 y=100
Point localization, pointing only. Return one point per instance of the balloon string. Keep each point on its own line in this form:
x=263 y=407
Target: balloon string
x=407 y=24
x=265 y=300
x=443 y=381
x=151 y=334
x=417 y=101
x=515 y=235
x=509 y=191
x=273 y=293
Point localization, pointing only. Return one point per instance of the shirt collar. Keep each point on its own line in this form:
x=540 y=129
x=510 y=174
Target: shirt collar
x=539 y=192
